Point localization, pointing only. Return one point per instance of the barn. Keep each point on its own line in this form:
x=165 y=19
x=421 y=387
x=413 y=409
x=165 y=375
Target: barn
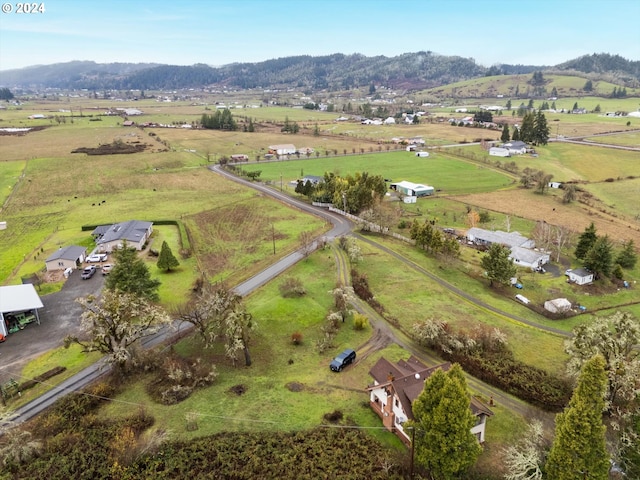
x=412 y=189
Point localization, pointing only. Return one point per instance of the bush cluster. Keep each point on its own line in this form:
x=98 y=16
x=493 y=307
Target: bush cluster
x=178 y=378
x=361 y=288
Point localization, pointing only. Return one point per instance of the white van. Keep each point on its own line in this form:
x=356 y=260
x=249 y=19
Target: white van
x=523 y=299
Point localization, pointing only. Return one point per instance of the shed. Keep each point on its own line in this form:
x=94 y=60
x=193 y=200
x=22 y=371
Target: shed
x=557 y=305
x=18 y=299
x=71 y=256
x=581 y=276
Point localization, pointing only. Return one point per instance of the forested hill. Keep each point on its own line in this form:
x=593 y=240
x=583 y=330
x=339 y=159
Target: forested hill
x=407 y=71
x=604 y=63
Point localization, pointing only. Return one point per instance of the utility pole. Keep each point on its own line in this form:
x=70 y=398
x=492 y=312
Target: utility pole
x=413 y=442
x=273 y=238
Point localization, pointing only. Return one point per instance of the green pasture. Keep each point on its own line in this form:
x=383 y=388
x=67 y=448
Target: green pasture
x=621 y=195
x=276 y=363
x=410 y=296
x=631 y=139
x=57 y=196
x=580 y=162
x=9 y=174
x=448 y=175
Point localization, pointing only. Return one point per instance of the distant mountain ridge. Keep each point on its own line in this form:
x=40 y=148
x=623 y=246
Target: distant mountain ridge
x=409 y=71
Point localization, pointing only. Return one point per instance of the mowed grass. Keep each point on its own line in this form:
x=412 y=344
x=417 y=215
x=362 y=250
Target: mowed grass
x=623 y=196
x=448 y=175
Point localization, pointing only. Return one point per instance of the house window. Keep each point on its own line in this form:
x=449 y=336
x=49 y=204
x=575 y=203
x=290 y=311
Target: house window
x=61 y=264
x=397 y=402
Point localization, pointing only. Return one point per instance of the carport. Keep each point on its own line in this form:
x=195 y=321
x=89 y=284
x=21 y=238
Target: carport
x=16 y=299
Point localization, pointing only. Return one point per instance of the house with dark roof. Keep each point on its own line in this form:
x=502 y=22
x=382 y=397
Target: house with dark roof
x=134 y=232
x=66 y=257
x=397 y=385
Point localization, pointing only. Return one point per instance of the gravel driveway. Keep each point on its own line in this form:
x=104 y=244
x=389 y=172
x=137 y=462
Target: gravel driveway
x=59 y=318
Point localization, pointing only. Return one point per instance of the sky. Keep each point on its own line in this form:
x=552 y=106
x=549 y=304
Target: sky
x=219 y=32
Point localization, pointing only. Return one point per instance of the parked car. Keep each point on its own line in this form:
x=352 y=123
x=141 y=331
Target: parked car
x=96 y=257
x=106 y=268
x=345 y=358
x=88 y=272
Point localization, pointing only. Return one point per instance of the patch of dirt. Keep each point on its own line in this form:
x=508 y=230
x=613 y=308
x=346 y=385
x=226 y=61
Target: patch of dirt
x=295 y=386
x=113 y=149
x=21 y=132
x=238 y=389
x=54 y=276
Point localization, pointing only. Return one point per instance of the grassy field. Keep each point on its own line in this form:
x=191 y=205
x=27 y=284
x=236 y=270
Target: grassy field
x=446 y=174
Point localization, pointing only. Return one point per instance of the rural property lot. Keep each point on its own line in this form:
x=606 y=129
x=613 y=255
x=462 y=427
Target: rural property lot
x=59 y=317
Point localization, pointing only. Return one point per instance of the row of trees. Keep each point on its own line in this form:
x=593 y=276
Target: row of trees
x=221 y=120
x=353 y=193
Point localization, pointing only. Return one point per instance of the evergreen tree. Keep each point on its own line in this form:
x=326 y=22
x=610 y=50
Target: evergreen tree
x=527 y=129
x=554 y=92
x=578 y=450
x=516 y=134
x=598 y=109
x=541 y=129
x=444 y=444
x=505 y=137
x=586 y=241
x=599 y=258
x=498 y=265
x=508 y=104
x=5 y=94
x=131 y=275
x=588 y=86
x=166 y=260
x=627 y=257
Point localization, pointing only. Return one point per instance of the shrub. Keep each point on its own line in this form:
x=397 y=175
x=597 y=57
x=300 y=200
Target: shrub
x=292 y=287
x=360 y=321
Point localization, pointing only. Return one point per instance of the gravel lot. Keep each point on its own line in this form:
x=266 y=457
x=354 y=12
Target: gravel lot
x=59 y=317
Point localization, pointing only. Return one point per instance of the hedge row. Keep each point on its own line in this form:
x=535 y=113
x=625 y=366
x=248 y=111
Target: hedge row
x=526 y=382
